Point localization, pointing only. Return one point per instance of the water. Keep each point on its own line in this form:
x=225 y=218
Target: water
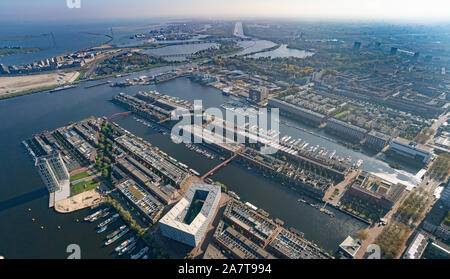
x=253 y=46
x=179 y=49
x=282 y=52
x=21 y=187
x=68 y=38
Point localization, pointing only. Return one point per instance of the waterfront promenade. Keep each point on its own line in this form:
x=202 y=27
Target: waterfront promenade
x=80 y=201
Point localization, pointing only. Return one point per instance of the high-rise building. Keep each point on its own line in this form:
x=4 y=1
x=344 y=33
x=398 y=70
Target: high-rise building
x=257 y=94
x=53 y=171
x=4 y=69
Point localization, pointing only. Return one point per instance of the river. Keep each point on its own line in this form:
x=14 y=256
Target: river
x=21 y=188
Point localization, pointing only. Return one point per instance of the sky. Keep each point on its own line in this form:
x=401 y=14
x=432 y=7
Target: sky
x=406 y=10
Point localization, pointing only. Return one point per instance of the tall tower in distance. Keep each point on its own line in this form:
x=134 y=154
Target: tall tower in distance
x=53 y=171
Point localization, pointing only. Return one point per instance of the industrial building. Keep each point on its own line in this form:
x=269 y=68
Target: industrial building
x=254 y=226
x=239 y=246
x=306 y=115
x=182 y=223
x=376 y=140
x=145 y=202
x=410 y=150
x=346 y=130
x=290 y=245
x=374 y=191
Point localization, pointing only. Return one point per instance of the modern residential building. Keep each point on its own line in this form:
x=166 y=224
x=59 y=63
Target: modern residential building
x=188 y=220
x=55 y=176
x=4 y=69
x=415 y=250
x=433 y=222
x=53 y=171
x=410 y=150
x=349 y=247
x=257 y=94
x=445 y=196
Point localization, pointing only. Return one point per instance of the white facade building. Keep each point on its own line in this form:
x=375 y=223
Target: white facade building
x=53 y=172
x=173 y=224
x=411 y=150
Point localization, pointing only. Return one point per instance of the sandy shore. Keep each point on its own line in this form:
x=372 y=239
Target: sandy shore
x=15 y=84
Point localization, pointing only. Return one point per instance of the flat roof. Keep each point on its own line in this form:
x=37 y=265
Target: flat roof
x=174 y=218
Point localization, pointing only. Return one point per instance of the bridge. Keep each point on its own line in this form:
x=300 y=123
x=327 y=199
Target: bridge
x=119 y=113
x=224 y=163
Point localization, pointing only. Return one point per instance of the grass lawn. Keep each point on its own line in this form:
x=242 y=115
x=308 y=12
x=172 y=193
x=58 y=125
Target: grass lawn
x=79 y=176
x=135 y=192
x=80 y=187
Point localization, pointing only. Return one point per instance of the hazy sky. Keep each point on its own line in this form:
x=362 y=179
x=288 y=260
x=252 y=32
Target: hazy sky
x=18 y=10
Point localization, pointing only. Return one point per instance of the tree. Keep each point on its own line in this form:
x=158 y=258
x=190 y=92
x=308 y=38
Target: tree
x=362 y=234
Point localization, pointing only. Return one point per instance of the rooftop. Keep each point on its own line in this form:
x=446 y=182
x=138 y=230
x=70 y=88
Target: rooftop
x=175 y=217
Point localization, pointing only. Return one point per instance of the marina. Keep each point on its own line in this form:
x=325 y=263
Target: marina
x=119 y=235
x=83 y=103
x=109 y=220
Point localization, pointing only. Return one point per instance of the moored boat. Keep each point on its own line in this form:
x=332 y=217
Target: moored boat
x=116 y=232
x=102 y=229
x=112 y=240
x=109 y=220
x=125 y=244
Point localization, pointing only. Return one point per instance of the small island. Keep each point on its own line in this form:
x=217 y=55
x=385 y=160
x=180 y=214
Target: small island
x=16 y=50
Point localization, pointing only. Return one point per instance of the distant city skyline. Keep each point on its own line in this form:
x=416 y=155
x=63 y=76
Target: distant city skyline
x=405 y=10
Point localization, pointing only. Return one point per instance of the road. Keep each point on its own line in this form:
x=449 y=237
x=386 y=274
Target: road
x=435 y=126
